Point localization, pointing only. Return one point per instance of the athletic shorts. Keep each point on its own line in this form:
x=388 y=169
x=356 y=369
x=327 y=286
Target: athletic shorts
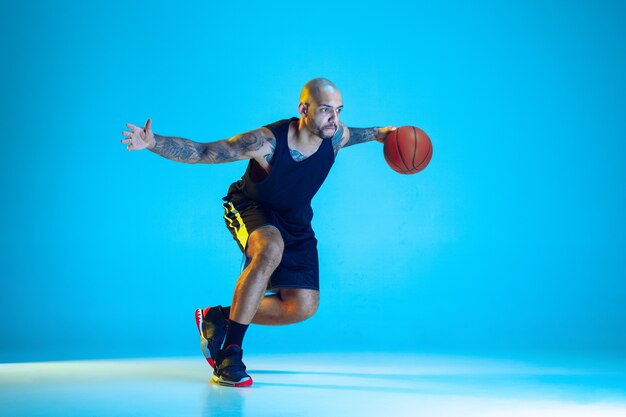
x=299 y=267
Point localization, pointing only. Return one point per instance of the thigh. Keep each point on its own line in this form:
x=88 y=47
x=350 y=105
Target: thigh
x=302 y=296
x=243 y=217
x=299 y=267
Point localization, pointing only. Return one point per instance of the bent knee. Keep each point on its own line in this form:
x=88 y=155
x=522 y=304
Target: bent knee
x=265 y=247
x=304 y=303
x=270 y=254
x=306 y=311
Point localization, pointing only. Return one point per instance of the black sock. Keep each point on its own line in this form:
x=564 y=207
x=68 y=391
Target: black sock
x=226 y=311
x=235 y=333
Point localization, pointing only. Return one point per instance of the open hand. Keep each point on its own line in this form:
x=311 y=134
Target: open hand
x=138 y=137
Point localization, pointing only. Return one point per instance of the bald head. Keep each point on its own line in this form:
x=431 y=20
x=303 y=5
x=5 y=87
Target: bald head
x=319 y=108
x=316 y=89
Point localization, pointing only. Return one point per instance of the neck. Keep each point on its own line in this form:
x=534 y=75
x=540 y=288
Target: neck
x=304 y=135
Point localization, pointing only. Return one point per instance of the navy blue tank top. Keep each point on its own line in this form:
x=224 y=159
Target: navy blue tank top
x=290 y=185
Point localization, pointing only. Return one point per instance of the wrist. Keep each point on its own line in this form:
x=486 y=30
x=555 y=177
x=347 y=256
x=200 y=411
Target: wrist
x=381 y=134
x=151 y=142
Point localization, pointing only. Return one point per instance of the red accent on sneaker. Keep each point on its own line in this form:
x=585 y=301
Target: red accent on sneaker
x=218 y=380
x=232 y=344
x=199 y=320
x=244 y=383
x=199 y=315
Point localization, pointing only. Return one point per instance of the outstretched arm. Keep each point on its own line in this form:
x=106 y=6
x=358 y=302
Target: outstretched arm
x=243 y=146
x=360 y=135
x=355 y=135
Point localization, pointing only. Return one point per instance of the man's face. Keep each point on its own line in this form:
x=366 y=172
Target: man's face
x=322 y=114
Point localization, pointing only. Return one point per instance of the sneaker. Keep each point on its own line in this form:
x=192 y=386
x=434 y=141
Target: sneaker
x=211 y=325
x=229 y=369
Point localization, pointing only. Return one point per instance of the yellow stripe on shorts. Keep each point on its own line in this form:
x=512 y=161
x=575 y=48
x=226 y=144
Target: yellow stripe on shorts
x=241 y=232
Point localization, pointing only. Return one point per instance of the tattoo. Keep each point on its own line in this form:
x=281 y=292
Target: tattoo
x=297 y=156
x=177 y=149
x=337 y=139
x=358 y=135
x=269 y=157
x=184 y=150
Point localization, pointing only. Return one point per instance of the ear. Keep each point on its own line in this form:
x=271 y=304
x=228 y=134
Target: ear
x=303 y=108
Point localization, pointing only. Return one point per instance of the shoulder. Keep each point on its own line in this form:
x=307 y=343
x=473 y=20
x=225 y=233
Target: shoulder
x=259 y=144
x=253 y=143
x=256 y=136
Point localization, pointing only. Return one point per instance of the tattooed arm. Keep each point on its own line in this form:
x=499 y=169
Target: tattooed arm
x=243 y=146
x=348 y=136
x=257 y=144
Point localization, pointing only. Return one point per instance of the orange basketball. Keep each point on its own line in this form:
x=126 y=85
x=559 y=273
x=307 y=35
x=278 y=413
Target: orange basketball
x=408 y=150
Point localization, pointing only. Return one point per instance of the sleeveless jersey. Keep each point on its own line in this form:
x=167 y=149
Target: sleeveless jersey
x=289 y=187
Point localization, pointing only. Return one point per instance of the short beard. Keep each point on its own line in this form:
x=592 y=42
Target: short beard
x=321 y=135
x=325 y=137
x=320 y=132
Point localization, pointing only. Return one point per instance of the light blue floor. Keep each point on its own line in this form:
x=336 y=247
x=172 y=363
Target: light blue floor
x=315 y=385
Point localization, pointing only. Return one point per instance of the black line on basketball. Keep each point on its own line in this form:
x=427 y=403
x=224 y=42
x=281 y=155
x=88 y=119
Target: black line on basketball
x=428 y=155
x=396 y=165
x=414 y=147
x=406 y=167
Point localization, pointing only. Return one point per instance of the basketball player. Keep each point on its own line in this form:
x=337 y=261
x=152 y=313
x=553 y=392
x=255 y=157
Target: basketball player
x=268 y=212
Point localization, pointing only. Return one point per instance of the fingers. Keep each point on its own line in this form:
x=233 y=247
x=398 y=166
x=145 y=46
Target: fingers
x=132 y=127
x=128 y=136
x=137 y=133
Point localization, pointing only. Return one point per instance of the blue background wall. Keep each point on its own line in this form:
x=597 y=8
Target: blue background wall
x=512 y=241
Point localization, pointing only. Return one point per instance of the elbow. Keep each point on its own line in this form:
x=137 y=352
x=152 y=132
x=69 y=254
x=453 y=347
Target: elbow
x=203 y=156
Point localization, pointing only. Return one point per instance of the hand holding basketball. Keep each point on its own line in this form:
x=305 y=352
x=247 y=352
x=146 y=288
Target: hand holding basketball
x=383 y=132
x=408 y=150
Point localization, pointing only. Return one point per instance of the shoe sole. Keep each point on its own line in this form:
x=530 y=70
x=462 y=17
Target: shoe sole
x=246 y=382
x=204 y=343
